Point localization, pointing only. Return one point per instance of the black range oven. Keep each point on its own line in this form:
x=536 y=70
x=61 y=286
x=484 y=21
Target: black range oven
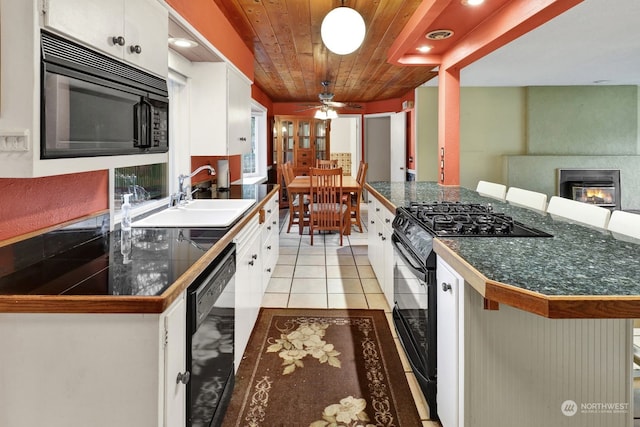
x=415 y=292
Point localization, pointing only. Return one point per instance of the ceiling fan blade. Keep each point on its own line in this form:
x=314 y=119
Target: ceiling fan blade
x=335 y=104
x=308 y=107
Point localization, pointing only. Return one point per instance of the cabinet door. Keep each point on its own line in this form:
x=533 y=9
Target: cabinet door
x=239 y=114
x=321 y=140
x=91 y=22
x=208 y=106
x=174 y=364
x=450 y=286
x=146 y=26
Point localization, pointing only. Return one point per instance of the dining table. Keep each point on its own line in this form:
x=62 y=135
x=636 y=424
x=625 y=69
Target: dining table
x=301 y=185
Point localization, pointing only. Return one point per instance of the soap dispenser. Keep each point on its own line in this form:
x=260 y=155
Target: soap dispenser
x=125 y=222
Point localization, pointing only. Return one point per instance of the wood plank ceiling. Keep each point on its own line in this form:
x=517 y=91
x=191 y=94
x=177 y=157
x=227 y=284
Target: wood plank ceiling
x=291 y=61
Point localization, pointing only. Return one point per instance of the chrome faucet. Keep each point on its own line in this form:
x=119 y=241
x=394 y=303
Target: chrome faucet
x=184 y=194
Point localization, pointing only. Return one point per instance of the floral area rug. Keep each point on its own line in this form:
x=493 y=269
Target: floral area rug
x=321 y=368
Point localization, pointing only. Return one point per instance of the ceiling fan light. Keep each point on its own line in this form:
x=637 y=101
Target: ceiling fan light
x=321 y=115
x=332 y=114
x=343 y=30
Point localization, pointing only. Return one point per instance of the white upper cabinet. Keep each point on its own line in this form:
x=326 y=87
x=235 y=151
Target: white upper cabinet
x=132 y=30
x=220 y=110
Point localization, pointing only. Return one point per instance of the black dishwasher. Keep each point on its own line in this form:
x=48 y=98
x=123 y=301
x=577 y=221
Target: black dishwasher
x=210 y=330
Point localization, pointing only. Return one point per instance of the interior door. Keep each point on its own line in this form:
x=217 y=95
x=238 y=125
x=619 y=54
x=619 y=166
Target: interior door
x=398 y=142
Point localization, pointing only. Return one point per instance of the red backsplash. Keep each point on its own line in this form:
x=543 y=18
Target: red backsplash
x=36 y=203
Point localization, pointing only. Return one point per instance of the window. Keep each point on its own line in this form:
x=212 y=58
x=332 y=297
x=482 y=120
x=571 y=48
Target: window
x=254 y=164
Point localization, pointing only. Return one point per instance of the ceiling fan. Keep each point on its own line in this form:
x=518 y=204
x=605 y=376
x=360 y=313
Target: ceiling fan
x=326 y=101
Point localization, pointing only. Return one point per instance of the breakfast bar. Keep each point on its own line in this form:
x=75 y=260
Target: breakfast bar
x=581 y=272
x=530 y=331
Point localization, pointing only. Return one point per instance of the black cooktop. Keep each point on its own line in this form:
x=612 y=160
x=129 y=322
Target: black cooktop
x=454 y=219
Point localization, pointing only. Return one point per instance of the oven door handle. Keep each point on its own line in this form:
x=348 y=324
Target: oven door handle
x=418 y=270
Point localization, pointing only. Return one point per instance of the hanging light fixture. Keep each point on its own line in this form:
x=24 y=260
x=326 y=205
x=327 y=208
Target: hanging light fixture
x=342 y=30
x=326 y=113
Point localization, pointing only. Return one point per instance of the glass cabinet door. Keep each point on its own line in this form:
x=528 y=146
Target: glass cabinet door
x=288 y=140
x=321 y=141
x=304 y=134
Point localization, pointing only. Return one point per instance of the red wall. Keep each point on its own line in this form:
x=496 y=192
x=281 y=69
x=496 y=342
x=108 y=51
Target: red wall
x=32 y=204
x=208 y=19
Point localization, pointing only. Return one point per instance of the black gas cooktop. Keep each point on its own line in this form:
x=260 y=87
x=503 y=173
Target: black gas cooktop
x=454 y=219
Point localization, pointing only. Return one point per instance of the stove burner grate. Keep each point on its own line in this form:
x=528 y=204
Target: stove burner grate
x=468 y=219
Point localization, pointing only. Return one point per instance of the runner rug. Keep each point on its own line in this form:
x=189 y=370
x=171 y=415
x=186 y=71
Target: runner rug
x=321 y=368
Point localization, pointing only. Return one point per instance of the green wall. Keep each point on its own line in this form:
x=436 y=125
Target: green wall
x=521 y=136
x=583 y=120
x=492 y=124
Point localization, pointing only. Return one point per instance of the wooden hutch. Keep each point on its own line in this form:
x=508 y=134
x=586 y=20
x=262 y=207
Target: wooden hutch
x=299 y=140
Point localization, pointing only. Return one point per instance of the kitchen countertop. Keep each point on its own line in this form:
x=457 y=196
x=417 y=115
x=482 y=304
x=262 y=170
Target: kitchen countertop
x=94 y=277
x=581 y=272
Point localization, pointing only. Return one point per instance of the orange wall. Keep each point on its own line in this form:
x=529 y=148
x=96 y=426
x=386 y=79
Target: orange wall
x=208 y=19
x=32 y=204
x=235 y=166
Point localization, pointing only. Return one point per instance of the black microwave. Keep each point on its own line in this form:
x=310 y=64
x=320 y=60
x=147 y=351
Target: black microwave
x=93 y=105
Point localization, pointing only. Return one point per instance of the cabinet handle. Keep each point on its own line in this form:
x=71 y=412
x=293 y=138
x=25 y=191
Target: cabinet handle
x=387 y=220
x=377 y=209
x=268 y=270
x=274 y=222
x=269 y=228
x=251 y=262
x=254 y=256
x=384 y=238
x=373 y=222
x=119 y=40
x=269 y=247
x=268 y=210
x=446 y=287
x=135 y=49
x=379 y=234
x=183 y=377
x=242 y=138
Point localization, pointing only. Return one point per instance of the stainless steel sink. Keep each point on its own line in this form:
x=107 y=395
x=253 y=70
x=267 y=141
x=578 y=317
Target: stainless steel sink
x=198 y=214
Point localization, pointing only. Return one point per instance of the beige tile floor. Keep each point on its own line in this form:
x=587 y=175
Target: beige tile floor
x=327 y=275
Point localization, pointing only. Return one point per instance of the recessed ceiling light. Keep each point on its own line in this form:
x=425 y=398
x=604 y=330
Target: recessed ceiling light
x=472 y=2
x=439 y=34
x=180 y=42
x=423 y=49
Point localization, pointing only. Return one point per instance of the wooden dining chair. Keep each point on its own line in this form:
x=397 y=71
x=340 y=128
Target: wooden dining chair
x=353 y=199
x=326 y=210
x=326 y=164
x=295 y=200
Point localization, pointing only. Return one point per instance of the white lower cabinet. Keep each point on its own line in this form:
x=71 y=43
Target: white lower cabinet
x=99 y=370
x=380 y=249
x=450 y=287
x=270 y=240
x=248 y=284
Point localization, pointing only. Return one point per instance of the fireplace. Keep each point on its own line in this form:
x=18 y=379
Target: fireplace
x=595 y=186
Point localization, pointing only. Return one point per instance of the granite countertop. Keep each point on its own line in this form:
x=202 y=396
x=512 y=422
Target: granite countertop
x=140 y=271
x=579 y=272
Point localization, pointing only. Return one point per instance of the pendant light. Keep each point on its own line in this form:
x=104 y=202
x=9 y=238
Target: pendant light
x=342 y=30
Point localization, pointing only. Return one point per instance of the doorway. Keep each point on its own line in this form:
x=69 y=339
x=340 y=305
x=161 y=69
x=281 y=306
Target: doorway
x=345 y=140
x=385 y=146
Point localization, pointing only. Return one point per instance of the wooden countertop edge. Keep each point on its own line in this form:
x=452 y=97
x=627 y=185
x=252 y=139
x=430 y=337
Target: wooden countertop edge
x=126 y=304
x=380 y=197
x=550 y=306
x=459 y=264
